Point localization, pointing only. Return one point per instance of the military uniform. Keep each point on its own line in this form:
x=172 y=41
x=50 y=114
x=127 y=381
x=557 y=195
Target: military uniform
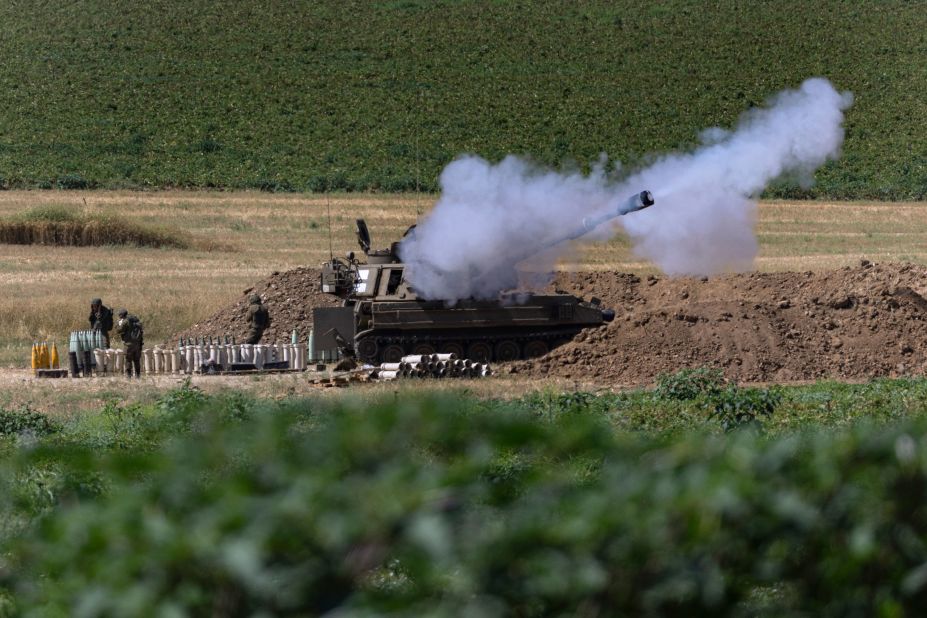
x=130 y=331
x=258 y=319
x=101 y=319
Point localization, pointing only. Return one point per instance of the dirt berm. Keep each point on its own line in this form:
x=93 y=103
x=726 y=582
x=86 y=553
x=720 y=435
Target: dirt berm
x=860 y=322
x=289 y=296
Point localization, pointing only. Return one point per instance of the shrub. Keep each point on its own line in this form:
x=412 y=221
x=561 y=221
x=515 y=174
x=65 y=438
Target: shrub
x=183 y=400
x=429 y=507
x=688 y=384
x=738 y=408
x=13 y=422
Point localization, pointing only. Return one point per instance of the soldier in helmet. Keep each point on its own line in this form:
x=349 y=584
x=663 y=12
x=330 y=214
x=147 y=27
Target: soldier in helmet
x=258 y=319
x=130 y=330
x=101 y=319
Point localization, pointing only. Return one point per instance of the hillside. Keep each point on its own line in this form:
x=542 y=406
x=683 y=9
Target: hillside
x=336 y=95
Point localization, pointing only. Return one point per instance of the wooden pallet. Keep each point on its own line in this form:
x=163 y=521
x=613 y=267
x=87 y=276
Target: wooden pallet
x=250 y=372
x=51 y=373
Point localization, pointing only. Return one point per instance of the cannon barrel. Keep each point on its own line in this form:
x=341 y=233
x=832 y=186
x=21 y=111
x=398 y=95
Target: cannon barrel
x=509 y=261
x=640 y=201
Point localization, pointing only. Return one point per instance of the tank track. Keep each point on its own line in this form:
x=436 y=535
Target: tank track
x=529 y=344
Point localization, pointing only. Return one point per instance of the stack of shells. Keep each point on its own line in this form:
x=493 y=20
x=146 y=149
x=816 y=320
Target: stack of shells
x=190 y=356
x=82 y=357
x=195 y=356
x=432 y=366
x=43 y=356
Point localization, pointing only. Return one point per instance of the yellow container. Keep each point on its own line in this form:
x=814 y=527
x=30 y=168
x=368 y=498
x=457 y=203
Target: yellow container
x=35 y=355
x=53 y=357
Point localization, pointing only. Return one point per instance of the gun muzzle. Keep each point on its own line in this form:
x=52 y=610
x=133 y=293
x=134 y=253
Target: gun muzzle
x=642 y=200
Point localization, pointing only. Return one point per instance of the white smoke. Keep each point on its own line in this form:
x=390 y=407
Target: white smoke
x=490 y=217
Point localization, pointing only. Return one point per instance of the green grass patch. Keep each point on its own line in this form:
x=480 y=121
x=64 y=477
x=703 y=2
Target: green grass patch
x=62 y=226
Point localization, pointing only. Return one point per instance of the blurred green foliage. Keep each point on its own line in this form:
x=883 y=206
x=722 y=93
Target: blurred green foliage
x=341 y=95
x=227 y=505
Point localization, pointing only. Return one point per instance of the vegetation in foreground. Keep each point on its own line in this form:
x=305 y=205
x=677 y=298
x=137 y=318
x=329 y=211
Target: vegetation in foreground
x=558 y=503
x=335 y=95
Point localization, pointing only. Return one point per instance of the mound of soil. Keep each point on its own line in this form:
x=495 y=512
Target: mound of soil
x=289 y=296
x=859 y=322
x=856 y=323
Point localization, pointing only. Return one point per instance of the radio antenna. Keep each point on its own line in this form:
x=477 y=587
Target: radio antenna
x=328 y=204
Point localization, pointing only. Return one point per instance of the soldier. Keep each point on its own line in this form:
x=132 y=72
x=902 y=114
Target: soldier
x=130 y=330
x=258 y=319
x=101 y=319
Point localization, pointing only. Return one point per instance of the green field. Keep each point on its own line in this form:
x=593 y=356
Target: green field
x=335 y=95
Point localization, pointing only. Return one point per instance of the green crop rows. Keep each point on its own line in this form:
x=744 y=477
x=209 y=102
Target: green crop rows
x=341 y=95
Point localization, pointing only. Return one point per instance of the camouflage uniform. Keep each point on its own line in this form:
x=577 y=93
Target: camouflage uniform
x=127 y=323
x=258 y=319
x=101 y=319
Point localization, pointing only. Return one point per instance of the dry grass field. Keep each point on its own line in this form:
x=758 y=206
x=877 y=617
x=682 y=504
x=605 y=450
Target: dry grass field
x=46 y=290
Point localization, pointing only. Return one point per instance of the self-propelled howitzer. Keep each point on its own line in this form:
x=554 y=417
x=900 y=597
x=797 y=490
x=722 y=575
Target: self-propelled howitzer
x=384 y=318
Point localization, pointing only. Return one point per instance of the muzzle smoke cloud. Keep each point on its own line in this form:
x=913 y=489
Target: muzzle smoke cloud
x=492 y=216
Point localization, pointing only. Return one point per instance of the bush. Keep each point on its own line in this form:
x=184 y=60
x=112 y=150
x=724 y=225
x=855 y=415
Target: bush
x=688 y=384
x=738 y=407
x=13 y=422
x=183 y=401
x=434 y=507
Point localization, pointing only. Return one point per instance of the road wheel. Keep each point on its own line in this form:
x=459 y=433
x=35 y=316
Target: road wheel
x=535 y=349
x=392 y=353
x=507 y=350
x=367 y=350
x=452 y=347
x=479 y=351
x=423 y=349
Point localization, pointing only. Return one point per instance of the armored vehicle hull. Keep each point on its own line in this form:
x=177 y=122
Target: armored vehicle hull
x=385 y=331
x=383 y=318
